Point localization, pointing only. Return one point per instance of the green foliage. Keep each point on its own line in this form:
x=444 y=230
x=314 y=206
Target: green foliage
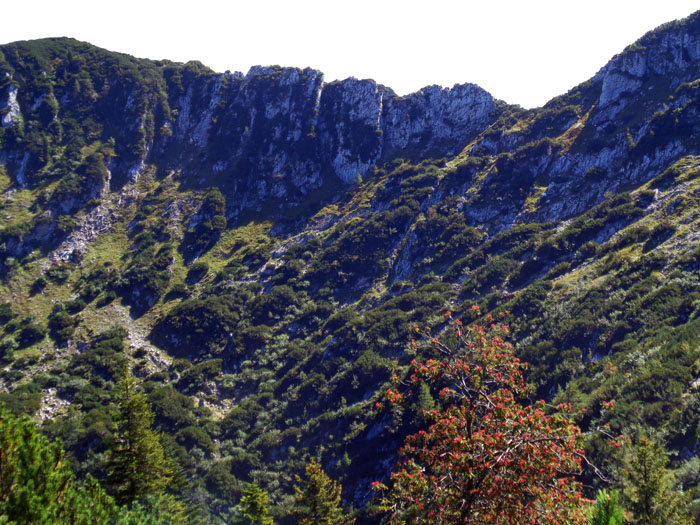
x=606 y=509
x=148 y=276
x=211 y=222
x=75 y=188
x=194 y=436
x=197 y=271
x=24 y=399
x=492 y=274
x=220 y=480
x=153 y=510
x=317 y=498
x=61 y=326
x=91 y=284
x=253 y=506
x=138 y=464
x=652 y=500
x=445 y=235
x=6 y=313
x=194 y=378
x=104 y=358
x=172 y=409
x=361 y=247
x=31 y=332
x=58 y=273
x=34 y=477
x=198 y=326
x=36 y=482
x=268 y=308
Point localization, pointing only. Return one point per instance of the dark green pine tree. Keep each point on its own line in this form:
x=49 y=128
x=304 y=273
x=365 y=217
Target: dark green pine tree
x=36 y=482
x=253 y=506
x=34 y=477
x=650 y=494
x=424 y=403
x=317 y=498
x=138 y=465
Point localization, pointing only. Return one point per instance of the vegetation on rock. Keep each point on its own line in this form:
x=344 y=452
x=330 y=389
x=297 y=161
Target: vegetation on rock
x=263 y=303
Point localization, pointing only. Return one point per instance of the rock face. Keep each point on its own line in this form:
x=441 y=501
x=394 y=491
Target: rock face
x=277 y=129
x=350 y=133
x=274 y=133
x=633 y=119
x=270 y=137
x=10 y=104
x=673 y=53
x=436 y=118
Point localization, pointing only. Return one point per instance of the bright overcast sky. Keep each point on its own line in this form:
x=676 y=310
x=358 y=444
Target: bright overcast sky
x=522 y=51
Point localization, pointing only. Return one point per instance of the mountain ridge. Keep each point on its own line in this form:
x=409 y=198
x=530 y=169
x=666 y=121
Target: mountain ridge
x=266 y=314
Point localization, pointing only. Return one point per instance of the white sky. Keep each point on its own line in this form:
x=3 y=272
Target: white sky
x=522 y=51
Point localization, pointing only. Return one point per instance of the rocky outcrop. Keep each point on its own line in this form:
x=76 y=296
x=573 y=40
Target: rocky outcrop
x=272 y=132
x=436 y=119
x=11 y=108
x=350 y=118
x=635 y=117
x=664 y=58
x=266 y=138
x=270 y=137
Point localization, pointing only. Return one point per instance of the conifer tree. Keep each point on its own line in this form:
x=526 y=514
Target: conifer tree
x=652 y=499
x=36 y=482
x=34 y=477
x=253 y=506
x=423 y=405
x=606 y=509
x=317 y=498
x=89 y=504
x=138 y=463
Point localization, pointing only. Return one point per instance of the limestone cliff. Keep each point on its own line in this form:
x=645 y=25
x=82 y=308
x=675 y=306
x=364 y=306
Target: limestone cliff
x=274 y=131
x=269 y=134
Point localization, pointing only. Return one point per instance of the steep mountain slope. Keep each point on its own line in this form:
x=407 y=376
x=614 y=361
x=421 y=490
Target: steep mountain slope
x=268 y=241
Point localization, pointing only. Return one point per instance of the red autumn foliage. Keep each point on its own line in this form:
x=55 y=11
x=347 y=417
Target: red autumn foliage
x=486 y=458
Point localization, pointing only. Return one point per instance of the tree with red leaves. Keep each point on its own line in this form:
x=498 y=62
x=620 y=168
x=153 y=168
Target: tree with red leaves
x=487 y=457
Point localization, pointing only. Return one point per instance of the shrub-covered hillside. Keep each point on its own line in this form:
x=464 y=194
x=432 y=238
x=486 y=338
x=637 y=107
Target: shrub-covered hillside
x=257 y=250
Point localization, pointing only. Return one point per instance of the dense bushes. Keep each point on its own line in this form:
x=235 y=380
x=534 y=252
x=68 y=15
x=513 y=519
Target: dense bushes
x=199 y=326
x=444 y=235
x=209 y=222
x=361 y=248
x=6 y=313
